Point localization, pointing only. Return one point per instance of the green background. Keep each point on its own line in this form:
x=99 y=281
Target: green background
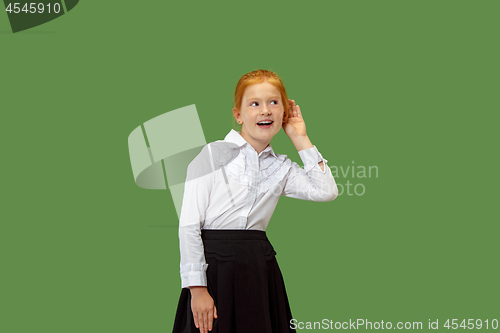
x=408 y=86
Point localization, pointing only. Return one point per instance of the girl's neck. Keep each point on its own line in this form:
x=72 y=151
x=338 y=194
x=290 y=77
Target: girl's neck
x=259 y=146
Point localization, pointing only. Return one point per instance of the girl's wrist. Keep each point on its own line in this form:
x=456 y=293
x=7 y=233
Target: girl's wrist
x=197 y=289
x=301 y=142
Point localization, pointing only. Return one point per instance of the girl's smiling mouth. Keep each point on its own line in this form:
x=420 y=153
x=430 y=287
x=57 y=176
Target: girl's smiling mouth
x=265 y=123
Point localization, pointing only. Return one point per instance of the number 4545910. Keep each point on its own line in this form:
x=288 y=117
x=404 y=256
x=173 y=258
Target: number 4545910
x=33 y=8
x=471 y=324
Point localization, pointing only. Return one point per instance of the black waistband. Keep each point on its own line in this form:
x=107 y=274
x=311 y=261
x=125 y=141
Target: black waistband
x=229 y=234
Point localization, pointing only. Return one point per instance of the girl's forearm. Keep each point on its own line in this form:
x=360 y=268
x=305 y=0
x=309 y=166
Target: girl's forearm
x=303 y=142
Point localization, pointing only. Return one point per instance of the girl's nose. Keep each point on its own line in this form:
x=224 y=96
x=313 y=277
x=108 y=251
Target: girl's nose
x=266 y=110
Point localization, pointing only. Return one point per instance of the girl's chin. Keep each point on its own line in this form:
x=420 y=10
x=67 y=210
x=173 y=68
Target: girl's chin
x=270 y=130
x=265 y=134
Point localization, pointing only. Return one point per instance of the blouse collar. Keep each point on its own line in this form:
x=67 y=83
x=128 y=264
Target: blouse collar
x=235 y=137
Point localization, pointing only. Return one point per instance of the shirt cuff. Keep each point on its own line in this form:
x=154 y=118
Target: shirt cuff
x=193 y=275
x=311 y=157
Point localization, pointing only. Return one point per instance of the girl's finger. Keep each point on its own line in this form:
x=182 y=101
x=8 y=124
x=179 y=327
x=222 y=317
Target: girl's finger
x=196 y=321
x=205 y=322
x=210 y=319
x=215 y=312
x=299 y=114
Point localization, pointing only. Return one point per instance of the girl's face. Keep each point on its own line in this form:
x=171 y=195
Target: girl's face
x=261 y=102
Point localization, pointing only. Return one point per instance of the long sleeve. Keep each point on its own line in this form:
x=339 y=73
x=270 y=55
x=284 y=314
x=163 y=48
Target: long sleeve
x=310 y=183
x=197 y=188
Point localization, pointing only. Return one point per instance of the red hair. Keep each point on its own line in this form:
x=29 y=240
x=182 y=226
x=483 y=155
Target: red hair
x=259 y=76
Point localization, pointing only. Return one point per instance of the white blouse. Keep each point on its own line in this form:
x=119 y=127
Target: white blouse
x=230 y=186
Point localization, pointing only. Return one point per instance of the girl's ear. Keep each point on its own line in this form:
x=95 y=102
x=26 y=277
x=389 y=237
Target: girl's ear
x=236 y=113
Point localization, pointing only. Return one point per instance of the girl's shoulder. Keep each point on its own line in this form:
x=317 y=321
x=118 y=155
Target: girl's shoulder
x=201 y=164
x=215 y=154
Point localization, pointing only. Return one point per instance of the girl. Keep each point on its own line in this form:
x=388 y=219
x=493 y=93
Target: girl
x=231 y=281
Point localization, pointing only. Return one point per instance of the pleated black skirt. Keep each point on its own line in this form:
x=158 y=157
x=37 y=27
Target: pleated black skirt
x=245 y=282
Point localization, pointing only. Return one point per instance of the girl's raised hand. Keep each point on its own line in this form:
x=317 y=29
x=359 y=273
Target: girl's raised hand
x=295 y=126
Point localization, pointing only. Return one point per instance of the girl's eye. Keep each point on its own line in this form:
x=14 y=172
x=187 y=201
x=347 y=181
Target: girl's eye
x=275 y=102
x=254 y=103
